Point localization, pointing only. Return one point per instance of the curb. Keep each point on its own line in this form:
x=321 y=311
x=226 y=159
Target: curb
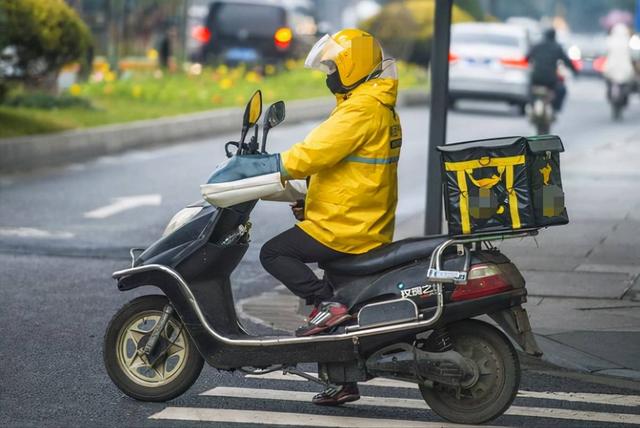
x=31 y=152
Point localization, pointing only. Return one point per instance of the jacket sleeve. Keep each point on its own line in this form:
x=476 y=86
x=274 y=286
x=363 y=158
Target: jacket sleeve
x=330 y=142
x=567 y=61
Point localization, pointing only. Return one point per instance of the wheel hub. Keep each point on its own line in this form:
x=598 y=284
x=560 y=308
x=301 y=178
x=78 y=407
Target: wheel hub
x=166 y=360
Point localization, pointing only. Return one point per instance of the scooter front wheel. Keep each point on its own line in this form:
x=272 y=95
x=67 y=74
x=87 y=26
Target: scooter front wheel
x=497 y=376
x=176 y=363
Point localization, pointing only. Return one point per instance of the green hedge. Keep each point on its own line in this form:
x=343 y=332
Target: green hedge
x=46 y=33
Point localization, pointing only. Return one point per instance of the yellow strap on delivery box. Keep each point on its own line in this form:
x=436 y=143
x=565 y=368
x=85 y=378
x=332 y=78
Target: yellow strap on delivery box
x=465 y=168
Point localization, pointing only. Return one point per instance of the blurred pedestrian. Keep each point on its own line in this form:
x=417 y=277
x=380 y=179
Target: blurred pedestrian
x=545 y=57
x=165 y=48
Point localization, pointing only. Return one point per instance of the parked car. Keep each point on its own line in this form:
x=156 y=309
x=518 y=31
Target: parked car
x=250 y=31
x=488 y=62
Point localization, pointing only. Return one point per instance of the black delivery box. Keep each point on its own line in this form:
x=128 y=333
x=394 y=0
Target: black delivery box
x=503 y=184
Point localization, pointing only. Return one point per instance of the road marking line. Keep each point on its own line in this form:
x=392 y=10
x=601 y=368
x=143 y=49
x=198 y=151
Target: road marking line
x=277 y=394
x=30 y=232
x=584 y=397
x=407 y=403
x=578 y=397
x=283 y=418
x=119 y=205
x=388 y=383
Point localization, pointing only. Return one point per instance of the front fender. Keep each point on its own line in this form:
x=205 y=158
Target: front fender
x=163 y=278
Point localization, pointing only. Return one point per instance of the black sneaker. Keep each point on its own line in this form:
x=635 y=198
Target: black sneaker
x=335 y=396
x=328 y=315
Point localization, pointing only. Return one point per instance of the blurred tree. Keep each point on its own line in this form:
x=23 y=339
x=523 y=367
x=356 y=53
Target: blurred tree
x=405 y=28
x=46 y=35
x=472 y=7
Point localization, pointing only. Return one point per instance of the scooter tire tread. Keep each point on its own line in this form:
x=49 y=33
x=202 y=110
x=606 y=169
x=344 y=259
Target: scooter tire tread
x=511 y=378
x=182 y=383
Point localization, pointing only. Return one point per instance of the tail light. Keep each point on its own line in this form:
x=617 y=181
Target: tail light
x=578 y=64
x=483 y=280
x=515 y=62
x=282 y=37
x=201 y=34
x=453 y=57
x=599 y=64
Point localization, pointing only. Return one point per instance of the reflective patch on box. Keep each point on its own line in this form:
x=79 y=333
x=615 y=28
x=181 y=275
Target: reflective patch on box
x=552 y=201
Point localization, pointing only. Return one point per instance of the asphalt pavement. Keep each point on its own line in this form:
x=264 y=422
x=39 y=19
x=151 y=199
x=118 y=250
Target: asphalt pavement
x=63 y=231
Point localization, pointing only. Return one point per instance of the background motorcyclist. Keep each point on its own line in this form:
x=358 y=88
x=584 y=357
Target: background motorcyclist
x=619 y=68
x=545 y=57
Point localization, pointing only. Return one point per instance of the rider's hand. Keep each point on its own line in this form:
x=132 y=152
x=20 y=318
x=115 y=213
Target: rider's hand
x=298 y=209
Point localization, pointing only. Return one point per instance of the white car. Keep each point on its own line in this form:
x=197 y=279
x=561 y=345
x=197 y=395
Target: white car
x=488 y=61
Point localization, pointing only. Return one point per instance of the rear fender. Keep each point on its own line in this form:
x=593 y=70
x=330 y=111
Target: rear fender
x=515 y=322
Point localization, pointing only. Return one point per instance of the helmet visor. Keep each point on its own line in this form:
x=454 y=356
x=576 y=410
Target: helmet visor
x=323 y=54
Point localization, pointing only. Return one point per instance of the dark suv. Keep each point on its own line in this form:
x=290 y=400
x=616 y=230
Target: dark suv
x=252 y=32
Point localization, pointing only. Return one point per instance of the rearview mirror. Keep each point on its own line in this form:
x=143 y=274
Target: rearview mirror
x=275 y=115
x=253 y=110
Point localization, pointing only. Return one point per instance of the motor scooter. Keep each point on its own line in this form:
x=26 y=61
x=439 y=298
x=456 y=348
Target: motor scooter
x=413 y=304
x=541 y=112
x=618 y=96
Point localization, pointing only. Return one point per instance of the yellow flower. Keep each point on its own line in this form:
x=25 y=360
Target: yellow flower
x=253 y=77
x=290 y=64
x=75 y=89
x=226 y=83
x=269 y=69
x=136 y=91
x=152 y=54
x=222 y=69
x=109 y=76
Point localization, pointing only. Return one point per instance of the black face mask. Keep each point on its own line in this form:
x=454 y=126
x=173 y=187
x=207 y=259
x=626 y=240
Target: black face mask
x=334 y=84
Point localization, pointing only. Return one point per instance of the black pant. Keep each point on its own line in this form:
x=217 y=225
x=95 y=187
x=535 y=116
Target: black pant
x=285 y=257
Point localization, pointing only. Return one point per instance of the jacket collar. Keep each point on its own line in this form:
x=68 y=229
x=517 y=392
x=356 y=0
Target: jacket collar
x=384 y=90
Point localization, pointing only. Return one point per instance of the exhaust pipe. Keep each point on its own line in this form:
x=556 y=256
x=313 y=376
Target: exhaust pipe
x=406 y=362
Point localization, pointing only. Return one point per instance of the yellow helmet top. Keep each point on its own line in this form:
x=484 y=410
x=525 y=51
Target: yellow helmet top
x=361 y=55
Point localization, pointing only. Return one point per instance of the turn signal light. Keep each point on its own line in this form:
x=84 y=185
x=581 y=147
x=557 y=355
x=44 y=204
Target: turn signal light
x=483 y=280
x=453 y=57
x=515 y=62
x=282 y=37
x=201 y=34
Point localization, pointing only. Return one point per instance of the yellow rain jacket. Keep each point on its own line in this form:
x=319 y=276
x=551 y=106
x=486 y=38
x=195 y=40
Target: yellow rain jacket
x=352 y=160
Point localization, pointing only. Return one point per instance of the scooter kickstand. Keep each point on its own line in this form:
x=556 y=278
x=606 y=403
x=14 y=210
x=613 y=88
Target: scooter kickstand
x=296 y=371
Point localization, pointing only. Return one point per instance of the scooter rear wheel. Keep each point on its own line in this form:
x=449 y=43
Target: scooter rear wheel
x=171 y=374
x=498 y=376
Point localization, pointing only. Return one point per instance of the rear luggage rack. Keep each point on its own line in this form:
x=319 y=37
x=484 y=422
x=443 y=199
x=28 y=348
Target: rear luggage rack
x=437 y=276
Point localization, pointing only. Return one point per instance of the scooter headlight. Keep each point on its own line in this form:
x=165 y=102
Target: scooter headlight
x=180 y=219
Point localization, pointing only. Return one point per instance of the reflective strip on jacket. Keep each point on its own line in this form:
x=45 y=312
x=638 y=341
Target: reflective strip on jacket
x=352 y=160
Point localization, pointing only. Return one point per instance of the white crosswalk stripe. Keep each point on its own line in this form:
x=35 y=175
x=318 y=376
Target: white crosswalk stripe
x=268 y=418
x=580 y=397
x=289 y=419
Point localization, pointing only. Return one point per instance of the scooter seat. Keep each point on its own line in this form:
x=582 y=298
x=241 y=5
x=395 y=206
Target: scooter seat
x=385 y=257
